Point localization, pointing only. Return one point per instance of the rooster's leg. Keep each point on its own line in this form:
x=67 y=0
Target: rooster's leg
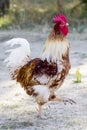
x=40 y=115
x=39 y=110
x=64 y=100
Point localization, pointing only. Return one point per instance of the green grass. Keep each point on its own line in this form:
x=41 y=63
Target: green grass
x=27 y=13
x=5 y=21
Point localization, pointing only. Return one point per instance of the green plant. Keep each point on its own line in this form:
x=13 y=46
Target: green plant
x=78 y=76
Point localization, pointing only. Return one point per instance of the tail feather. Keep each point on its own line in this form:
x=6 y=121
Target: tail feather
x=19 y=55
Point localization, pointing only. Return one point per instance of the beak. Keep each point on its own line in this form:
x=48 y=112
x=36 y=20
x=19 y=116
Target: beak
x=67 y=24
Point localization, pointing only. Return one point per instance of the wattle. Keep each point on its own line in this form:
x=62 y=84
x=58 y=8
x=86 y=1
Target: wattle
x=64 y=30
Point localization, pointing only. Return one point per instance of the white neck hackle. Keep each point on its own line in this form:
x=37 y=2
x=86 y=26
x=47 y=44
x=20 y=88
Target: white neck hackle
x=54 y=50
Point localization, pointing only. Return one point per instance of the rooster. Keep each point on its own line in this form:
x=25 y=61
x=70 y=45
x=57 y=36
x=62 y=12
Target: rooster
x=41 y=77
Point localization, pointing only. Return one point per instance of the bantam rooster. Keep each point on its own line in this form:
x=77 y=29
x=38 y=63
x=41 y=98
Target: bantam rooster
x=41 y=77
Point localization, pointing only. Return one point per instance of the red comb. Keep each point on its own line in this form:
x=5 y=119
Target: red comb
x=58 y=18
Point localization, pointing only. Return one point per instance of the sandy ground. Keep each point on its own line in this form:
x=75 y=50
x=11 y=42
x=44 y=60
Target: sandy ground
x=18 y=110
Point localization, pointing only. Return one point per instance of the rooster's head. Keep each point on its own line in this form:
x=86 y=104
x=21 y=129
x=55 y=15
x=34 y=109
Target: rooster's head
x=61 y=25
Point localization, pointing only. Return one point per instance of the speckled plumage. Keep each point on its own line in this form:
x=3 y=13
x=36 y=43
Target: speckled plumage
x=45 y=71
x=41 y=77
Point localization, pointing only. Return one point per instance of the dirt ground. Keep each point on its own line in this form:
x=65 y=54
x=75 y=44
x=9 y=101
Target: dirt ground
x=18 y=110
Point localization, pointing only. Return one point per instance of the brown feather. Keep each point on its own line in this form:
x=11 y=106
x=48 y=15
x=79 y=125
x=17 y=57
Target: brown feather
x=25 y=74
x=43 y=67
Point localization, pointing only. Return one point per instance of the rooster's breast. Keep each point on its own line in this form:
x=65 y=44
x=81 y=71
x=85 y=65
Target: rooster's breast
x=51 y=74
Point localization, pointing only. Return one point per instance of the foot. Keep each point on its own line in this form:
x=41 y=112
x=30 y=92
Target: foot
x=43 y=117
x=64 y=100
x=67 y=100
x=41 y=114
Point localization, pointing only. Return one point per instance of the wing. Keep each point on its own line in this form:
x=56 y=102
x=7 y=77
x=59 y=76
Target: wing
x=18 y=54
x=38 y=72
x=25 y=75
x=35 y=72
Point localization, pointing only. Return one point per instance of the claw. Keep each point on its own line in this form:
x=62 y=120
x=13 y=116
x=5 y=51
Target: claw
x=69 y=101
x=43 y=117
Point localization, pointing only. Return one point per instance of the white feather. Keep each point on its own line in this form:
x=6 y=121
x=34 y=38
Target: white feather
x=42 y=79
x=54 y=50
x=19 y=54
x=43 y=92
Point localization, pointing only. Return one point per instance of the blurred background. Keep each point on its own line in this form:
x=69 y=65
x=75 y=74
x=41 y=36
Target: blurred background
x=22 y=14
x=32 y=20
